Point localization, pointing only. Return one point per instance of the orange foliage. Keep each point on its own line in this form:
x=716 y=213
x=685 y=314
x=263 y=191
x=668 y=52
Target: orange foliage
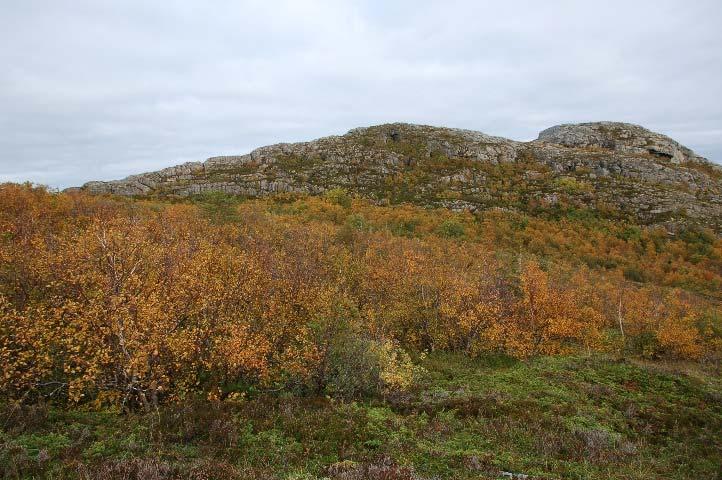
x=121 y=302
x=549 y=319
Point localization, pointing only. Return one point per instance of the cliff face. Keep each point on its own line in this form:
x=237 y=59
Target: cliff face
x=617 y=168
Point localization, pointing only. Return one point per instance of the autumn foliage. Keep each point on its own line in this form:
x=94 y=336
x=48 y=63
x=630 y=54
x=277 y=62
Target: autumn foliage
x=131 y=303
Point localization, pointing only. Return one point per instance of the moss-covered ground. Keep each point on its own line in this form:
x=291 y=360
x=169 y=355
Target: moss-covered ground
x=551 y=418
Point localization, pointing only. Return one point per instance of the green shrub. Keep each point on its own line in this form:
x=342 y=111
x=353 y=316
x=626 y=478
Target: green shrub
x=218 y=207
x=349 y=231
x=631 y=234
x=339 y=196
x=357 y=222
x=451 y=229
x=572 y=185
x=635 y=274
x=699 y=240
x=355 y=365
x=353 y=368
x=405 y=228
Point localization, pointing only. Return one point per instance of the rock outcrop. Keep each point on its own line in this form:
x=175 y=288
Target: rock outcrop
x=621 y=138
x=615 y=168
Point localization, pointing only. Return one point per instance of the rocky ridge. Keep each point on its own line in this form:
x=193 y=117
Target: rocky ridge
x=616 y=168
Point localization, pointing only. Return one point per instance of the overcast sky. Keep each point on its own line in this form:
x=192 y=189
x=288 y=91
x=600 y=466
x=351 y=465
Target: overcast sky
x=93 y=89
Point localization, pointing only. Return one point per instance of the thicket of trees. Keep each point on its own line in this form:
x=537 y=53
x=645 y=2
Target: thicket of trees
x=131 y=303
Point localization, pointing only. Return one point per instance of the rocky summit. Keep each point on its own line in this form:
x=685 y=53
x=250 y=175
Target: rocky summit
x=616 y=169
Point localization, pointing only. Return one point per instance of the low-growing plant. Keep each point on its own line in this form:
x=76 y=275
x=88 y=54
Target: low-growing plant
x=451 y=229
x=339 y=196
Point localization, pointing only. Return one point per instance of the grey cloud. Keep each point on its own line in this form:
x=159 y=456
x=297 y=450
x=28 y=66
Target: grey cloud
x=103 y=89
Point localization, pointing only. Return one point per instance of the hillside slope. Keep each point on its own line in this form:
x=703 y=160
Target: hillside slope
x=619 y=169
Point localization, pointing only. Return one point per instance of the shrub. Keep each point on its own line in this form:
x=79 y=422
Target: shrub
x=357 y=222
x=398 y=373
x=404 y=228
x=572 y=185
x=358 y=366
x=219 y=207
x=451 y=229
x=339 y=196
x=634 y=274
x=353 y=368
x=699 y=240
x=631 y=234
